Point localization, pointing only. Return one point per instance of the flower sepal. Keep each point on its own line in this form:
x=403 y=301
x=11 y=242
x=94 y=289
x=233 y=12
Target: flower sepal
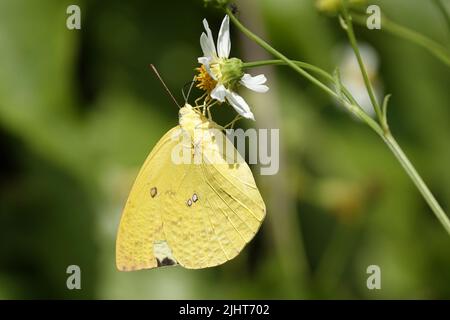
x=231 y=71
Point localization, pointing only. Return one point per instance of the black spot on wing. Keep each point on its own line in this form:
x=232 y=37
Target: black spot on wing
x=168 y=262
x=165 y=262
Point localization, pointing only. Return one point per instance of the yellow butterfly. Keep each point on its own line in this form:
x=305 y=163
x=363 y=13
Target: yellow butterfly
x=198 y=214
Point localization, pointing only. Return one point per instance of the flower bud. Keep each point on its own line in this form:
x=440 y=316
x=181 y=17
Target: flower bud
x=231 y=71
x=333 y=6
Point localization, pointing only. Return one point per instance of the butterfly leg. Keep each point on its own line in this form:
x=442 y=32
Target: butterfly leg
x=200 y=98
x=205 y=105
x=209 y=114
x=231 y=124
x=209 y=111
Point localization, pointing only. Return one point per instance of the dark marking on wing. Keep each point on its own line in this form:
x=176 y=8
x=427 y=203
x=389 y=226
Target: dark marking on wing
x=165 y=262
x=168 y=262
x=153 y=192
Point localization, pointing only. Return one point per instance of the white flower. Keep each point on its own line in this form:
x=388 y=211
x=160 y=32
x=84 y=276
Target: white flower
x=227 y=72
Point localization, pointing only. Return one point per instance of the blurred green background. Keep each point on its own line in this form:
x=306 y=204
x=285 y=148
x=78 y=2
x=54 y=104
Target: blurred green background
x=80 y=110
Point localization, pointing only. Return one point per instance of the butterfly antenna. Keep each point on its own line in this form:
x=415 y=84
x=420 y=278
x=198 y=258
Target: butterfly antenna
x=164 y=84
x=191 y=85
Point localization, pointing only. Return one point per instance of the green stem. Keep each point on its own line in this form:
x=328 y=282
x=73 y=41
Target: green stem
x=351 y=105
x=387 y=136
x=351 y=36
x=355 y=109
x=415 y=177
x=301 y=64
x=433 y=47
x=279 y=55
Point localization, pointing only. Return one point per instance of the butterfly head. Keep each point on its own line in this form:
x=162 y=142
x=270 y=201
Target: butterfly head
x=190 y=118
x=186 y=111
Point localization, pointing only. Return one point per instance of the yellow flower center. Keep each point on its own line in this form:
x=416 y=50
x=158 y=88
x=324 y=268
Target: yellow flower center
x=204 y=80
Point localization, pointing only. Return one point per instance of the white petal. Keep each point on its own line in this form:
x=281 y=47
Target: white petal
x=239 y=104
x=219 y=93
x=207 y=46
x=259 y=79
x=255 y=83
x=223 y=41
x=206 y=62
x=210 y=40
x=260 y=88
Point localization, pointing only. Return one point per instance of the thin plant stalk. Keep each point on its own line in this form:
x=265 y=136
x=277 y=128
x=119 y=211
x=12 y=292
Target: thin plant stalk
x=436 y=49
x=348 y=26
x=380 y=128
